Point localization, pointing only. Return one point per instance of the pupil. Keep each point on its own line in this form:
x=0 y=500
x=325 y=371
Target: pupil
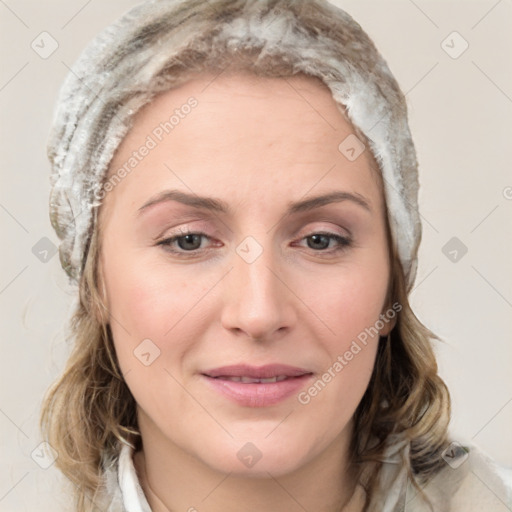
x=189 y=239
x=318 y=238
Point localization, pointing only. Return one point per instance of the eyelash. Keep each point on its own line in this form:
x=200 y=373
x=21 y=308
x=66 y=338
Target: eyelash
x=343 y=243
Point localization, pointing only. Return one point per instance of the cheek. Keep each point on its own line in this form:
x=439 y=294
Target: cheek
x=151 y=303
x=151 y=331
x=350 y=306
x=347 y=302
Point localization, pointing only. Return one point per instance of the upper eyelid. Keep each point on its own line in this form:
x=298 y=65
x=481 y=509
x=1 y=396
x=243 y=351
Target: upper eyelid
x=187 y=231
x=202 y=223
x=205 y=218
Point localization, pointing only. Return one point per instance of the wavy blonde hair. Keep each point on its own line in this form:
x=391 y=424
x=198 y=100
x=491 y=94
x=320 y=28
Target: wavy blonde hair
x=89 y=411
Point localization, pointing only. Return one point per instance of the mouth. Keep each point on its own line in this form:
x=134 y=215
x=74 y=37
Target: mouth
x=257 y=373
x=262 y=386
x=251 y=380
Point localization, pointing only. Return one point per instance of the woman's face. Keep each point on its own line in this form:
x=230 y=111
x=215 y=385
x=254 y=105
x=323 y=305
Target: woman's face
x=270 y=285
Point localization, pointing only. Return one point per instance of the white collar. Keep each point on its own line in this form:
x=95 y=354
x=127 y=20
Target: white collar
x=129 y=491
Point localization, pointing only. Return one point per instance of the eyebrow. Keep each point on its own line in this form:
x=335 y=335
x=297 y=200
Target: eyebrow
x=219 y=206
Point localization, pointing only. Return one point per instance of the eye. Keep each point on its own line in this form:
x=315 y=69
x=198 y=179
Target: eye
x=321 y=242
x=190 y=242
x=186 y=241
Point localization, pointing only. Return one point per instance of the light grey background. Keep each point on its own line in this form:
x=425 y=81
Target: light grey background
x=460 y=114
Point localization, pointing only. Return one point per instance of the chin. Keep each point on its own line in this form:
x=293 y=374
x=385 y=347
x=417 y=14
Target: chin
x=253 y=456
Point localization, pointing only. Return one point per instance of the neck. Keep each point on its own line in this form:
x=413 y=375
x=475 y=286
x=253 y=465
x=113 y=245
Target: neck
x=174 y=480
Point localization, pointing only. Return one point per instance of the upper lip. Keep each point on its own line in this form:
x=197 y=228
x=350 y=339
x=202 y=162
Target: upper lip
x=257 y=372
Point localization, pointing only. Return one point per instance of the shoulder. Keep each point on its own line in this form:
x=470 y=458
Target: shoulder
x=470 y=481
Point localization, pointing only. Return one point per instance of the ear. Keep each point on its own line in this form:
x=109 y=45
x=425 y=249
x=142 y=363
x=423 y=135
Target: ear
x=389 y=318
x=388 y=327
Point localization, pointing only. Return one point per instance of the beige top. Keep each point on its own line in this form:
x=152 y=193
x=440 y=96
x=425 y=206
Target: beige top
x=470 y=482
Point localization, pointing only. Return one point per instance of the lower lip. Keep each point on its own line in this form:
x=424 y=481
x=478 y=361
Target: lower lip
x=258 y=394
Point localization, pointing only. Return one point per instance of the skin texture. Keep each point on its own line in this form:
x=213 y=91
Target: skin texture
x=256 y=144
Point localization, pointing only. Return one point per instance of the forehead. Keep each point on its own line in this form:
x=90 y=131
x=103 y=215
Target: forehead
x=242 y=95
x=243 y=129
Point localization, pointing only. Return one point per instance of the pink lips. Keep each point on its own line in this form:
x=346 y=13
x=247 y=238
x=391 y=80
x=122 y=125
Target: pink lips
x=257 y=386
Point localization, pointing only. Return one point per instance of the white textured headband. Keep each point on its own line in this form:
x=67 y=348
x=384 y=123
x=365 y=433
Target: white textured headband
x=140 y=55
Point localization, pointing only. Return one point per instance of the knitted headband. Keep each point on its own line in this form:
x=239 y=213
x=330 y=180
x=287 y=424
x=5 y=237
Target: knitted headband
x=158 y=44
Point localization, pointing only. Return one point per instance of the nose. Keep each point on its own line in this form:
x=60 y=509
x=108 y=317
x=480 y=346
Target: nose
x=257 y=300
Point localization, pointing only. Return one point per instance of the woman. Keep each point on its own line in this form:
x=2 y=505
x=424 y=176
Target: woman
x=235 y=187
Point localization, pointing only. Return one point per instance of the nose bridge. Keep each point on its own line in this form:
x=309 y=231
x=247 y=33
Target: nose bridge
x=256 y=301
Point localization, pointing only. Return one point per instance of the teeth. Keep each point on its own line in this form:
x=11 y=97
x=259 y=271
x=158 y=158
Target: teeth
x=270 y=379
x=248 y=380
x=251 y=380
